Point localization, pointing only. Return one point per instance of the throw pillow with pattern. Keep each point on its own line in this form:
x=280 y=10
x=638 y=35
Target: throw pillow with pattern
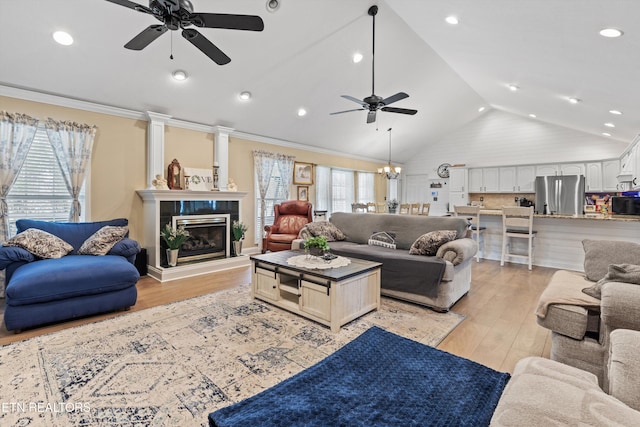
x=626 y=273
x=101 y=242
x=40 y=243
x=326 y=229
x=428 y=243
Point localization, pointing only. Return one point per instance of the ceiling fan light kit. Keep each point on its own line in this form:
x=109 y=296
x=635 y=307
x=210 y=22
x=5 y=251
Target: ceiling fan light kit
x=179 y=14
x=374 y=102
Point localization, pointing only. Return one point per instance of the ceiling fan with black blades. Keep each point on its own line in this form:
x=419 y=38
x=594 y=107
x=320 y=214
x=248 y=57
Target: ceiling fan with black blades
x=175 y=14
x=374 y=102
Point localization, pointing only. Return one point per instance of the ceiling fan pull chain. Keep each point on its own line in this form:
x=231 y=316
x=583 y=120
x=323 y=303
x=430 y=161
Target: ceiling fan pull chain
x=171 y=55
x=373 y=51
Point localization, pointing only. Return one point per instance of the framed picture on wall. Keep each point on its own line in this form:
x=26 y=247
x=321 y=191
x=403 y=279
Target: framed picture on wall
x=303 y=173
x=303 y=192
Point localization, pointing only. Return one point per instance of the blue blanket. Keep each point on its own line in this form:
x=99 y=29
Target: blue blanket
x=378 y=379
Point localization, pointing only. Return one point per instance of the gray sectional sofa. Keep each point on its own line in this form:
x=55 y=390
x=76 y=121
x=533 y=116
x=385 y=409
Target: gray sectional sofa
x=436 y=281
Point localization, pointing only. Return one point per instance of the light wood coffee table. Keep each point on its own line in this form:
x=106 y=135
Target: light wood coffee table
x=332 y=297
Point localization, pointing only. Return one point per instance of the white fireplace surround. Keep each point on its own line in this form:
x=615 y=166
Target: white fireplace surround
x=151 y=236
x=151 y=199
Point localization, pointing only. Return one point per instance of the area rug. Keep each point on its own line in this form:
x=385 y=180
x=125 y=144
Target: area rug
x=378 y=379
x=173 y=365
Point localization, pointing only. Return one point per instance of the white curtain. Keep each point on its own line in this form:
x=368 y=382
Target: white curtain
x=285 y=164
x=16 y=135
x=72 y=144
x=323 y=189
x=263 y=162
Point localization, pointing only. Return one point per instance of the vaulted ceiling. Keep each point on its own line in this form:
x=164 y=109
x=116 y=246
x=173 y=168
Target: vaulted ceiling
x=550 y=49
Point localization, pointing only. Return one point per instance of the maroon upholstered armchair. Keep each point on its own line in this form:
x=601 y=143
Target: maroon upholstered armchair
x=290 y=217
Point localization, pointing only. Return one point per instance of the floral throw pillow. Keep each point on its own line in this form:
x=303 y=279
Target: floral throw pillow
x=40 y=243
x=101 y=242
x=326 y=229
x=428 y=243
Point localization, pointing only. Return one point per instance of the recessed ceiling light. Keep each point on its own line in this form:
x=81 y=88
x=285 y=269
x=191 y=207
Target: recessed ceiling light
x=513 y=88
x=357 y=57
x=179 y=75
x=245 y=95
x=302 y=112
x=616 y=112
x=533 y=116
x=573 y=100
x=481 y=109
x=610 y=125
x=611 y=32
x=606 y=134
x=273 y=5
x=452 y=20
x=63 y=38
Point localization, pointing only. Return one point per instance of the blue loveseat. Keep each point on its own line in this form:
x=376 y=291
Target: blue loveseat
x=40 y=291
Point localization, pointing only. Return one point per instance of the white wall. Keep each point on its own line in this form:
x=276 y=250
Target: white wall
x=498 y=138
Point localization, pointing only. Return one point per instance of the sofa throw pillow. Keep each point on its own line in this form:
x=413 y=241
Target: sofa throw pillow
x=101 y=242
x=600 y=254
x=428 y=243
x=626 y=273
x=326 y=229
x=40 y=243
x=384 y=239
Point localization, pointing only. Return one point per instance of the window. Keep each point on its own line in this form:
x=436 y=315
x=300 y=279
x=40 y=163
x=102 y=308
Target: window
x=366 y=187
x=336 y=189
x=276 y=193
x=39 y=191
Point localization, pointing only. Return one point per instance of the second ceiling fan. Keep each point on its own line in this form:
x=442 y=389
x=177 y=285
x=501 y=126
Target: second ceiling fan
x=374 y=102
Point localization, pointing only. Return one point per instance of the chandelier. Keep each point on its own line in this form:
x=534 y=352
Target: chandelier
x=390 y=172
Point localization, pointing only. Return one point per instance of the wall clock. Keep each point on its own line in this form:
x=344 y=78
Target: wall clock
x=443 y=170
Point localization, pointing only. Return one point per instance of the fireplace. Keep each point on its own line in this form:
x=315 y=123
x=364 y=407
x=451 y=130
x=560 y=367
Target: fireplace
x=209 y=237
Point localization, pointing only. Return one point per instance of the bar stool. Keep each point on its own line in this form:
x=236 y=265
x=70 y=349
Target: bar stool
x=517 y=222
x=472 y=213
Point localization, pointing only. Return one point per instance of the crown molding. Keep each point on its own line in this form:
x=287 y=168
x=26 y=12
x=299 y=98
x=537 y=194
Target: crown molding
x=62 y=101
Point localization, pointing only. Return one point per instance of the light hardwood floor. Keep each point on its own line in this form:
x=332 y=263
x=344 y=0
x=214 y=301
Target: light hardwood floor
x=499 y=329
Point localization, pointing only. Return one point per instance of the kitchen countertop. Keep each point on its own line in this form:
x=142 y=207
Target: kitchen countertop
x=596 y=216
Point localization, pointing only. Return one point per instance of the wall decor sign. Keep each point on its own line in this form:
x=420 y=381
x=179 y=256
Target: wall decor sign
x=199 y=179
x=303 y=173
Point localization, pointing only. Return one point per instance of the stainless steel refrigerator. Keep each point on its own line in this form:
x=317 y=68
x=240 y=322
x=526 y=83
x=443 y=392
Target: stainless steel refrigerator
x=560 y=194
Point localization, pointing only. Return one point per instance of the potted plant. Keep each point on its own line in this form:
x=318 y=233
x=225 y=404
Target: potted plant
x=174 y=238
x=392 y=205
x=316 y=246
x=238 y=229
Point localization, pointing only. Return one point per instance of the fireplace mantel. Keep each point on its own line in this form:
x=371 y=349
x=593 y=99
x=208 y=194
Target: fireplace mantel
x=171 y=195
x=151 y=201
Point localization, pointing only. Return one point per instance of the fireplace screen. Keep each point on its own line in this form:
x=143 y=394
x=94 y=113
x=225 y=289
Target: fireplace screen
x=209 y=237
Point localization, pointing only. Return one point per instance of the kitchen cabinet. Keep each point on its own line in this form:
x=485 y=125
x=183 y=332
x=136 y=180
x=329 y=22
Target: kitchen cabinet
x=458 y=179
x=526 y=179
x=484 y=180
x=610 y=170
x=572 y=169
x=546 y=170
x=593 y=177
x=508 y=179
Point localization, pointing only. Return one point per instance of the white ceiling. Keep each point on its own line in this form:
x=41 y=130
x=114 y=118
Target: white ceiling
x=549 y=48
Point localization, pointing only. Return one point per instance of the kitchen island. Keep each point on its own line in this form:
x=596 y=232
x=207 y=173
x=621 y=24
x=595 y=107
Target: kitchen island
x=558 y=243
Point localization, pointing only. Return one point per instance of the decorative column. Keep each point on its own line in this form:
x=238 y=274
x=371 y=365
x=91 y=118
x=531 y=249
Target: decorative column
x=155 y=146
x=221 y=154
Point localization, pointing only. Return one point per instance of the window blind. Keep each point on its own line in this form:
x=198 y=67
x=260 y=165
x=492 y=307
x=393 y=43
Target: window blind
x=39 y=191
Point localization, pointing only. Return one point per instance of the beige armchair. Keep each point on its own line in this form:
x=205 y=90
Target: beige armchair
x=581 y=324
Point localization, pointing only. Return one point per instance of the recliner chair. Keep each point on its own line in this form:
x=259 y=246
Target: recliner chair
x=290 y=217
